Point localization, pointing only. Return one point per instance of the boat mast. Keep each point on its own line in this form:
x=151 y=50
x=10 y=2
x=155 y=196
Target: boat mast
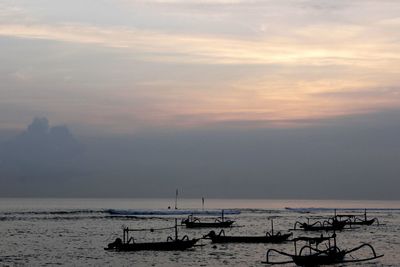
x=176 y=229
x=272 y=226
x=123 y=236
x=176 y=199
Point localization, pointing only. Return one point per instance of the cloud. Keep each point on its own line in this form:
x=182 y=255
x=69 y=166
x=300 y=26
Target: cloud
x=349 y=157
x=162 y=63
x=300 y=48
x=281 y=32
x=389 y=93
x=40 y=151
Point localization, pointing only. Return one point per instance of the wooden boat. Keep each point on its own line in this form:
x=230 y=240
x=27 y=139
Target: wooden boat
x=129 y=244
x=310 y=255
x=180 y=244
x=269 y=237
x=329 y=256
x=311 y=240
x=193 y=222
x=353 y=219
x=327 y=225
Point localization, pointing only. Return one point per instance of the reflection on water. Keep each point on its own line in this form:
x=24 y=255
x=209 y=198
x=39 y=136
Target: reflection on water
x=37 y=232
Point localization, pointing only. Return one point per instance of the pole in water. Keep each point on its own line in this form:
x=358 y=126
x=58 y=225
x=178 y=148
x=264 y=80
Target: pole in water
x=176 y=229
x=334 y=238
x=272 y=226
x=202 y=203
x=123 y=236
x=176 y=199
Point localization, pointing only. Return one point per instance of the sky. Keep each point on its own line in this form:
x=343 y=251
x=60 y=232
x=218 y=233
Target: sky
x=275 y=98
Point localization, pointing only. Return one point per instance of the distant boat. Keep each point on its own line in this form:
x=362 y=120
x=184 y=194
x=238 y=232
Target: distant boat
x=326 y=225
x=129 y=244
x=193 y=222
x=222 y=238
x=269 y=237
x=354 y=219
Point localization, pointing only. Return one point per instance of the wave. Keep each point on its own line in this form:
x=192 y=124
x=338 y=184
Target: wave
x=170 y=212
x=52 y=212
x=114 y=213
x=80 y=214
x=308 y=210
x=52 y=218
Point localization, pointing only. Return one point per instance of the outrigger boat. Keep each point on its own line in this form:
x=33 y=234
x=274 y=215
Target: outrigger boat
x=194 y=222
x=128 y=243
x=353 y=219
x=309 y=255
x=269 y=237
x=326 y=225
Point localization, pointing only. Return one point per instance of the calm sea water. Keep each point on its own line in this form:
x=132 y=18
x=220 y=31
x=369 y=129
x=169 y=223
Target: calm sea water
x=73 y=232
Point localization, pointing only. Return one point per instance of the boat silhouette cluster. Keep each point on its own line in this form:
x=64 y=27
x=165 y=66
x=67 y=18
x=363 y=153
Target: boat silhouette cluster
x=307 y=249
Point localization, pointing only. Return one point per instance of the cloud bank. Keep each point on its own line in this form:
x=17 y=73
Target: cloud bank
x=355 y=157
x=40 y=153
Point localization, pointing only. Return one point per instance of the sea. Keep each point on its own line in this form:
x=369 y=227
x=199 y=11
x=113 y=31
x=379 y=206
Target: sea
x=74 y=232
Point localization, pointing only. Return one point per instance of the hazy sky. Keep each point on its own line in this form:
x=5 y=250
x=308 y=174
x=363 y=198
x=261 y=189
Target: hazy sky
x=126 y=64
x=204 y=70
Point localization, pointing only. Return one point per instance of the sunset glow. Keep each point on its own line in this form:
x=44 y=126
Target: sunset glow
x=276 y=67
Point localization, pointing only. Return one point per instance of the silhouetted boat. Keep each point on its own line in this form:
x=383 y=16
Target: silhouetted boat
x=182 y=244
x=129 y=244
x=310 y=255
x=354 y=219
x=327 y=225
x=222 y=238
x=193 y=222
x=312 y=240
x=269 y=237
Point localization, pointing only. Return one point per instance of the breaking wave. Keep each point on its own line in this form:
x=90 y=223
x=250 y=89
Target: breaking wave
x=79 y=214
x=52 y=212
x=170 y=212
x=308 y=210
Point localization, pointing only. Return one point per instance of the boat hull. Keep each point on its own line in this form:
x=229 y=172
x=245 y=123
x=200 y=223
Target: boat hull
x=250 y=239
x=166 y=246
x=225 y=224
x=367 y=222
x=317 y=260
x=337 y=227
x=321 y=228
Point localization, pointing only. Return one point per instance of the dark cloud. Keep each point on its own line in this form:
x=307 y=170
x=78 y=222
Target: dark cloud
x=40 y=152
